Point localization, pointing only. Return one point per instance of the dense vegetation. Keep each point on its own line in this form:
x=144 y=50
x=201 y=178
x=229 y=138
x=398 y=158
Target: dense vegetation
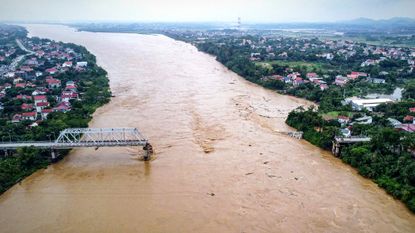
x=386 y=159
x=94 y=89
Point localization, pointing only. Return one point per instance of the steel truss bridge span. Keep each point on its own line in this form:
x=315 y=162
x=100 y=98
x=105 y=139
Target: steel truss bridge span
x=88 y=137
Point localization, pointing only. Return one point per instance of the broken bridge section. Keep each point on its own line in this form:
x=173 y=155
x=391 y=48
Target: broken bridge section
x=89 y=137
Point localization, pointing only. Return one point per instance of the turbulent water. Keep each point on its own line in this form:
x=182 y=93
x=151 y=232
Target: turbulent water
x=221 y=164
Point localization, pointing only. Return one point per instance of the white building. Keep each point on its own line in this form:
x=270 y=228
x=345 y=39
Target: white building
x=82 y=64
x=369 y=104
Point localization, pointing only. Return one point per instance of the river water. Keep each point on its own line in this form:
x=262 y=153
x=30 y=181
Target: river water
x=220 y=163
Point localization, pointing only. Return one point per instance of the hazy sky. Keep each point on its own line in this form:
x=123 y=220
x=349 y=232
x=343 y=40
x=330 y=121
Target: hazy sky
x=204 y=10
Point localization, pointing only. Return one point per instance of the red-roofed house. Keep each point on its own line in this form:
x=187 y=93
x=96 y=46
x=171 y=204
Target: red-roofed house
x=324 y=87
x=26 y=107
x=67 y=64
x=62 y=107
x=68 y=95
x=298 y=81
x=343 y=119
x=355 y=75
x=408 y=118
x=40 y=98
x=311 y=75
x=412 y=109
x=31 y=116
x=71 y=88
x=341 y=81
x=20 y=85
x=45 y=113
x=52 y=70
x=24 y=97
x=406 y=127
x=41 y=105
x=53 y=83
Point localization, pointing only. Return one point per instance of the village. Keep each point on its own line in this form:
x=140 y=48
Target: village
x=32 y=84
x=359 y=76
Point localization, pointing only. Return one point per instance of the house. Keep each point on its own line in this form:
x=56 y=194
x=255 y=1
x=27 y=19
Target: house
x=30 y=116
x=26 y=107
x=68 y=95
x=17 y=118
x=406 y=127
x=343 y=119
x=311 y=75
x=298 y=81
x=24 y=97
x=67 y=64
x=20 y=85
x=39 y=91
x=40 y=98
x=341 y=81
x=52 y=71
x=53 y=83
x=409 y=118
x=34 y=124
x=412 y=109
x=366 y=120
x=346 y=132
x=17 y=80
x=41 y=105
x=45 y=112
x=71 y=88
x=394 y=122
x=38 y=74
x=324 y=87
x=82 y=64
x=378 y=80
x=369 y=104
x=369 y=62
x=62 y=107
x=355 y=75
x=276 y=77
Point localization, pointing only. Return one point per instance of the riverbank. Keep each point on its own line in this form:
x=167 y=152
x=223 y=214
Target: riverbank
x=92 y=84
x=389 y=163
x=186 y=102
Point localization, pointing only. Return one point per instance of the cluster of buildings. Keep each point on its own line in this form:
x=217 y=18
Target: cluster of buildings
x=36 y=84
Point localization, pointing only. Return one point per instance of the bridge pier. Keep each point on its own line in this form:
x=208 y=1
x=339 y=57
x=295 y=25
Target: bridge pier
x=53 y=154
x=336 y=149
x=148 y=148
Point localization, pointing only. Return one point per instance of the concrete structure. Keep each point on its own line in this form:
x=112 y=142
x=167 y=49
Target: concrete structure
x=369 y=104
x=338 y=141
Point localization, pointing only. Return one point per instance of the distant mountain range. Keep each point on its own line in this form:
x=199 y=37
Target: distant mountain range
x=398 y=21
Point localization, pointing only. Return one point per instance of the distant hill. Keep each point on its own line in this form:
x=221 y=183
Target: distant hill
x=397 y=21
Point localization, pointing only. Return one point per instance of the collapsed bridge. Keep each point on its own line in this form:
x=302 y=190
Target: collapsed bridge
x=88 y=137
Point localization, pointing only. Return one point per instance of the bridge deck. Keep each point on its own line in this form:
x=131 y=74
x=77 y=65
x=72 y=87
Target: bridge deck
x=55 y=145
x=352 y=139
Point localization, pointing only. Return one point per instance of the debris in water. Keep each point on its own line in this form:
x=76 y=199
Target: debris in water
x=211 y=194
x=249 y=173
x=270 y=176
x=266 y=162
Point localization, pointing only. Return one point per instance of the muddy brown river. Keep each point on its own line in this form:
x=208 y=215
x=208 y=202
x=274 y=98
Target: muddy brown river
x=221 y=164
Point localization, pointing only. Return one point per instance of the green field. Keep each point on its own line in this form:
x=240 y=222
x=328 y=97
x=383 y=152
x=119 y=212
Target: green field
x=293 y=64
